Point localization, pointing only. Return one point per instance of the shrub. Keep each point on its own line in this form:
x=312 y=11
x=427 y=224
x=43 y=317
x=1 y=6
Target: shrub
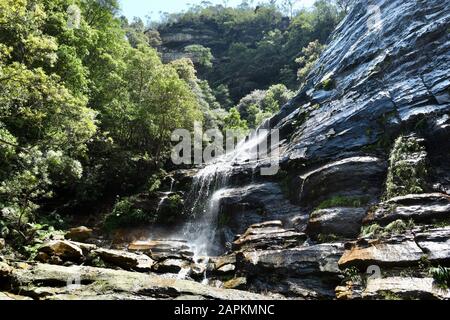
x=125 y=214
x=407 y=171
x=340 y=201
x=441 y=276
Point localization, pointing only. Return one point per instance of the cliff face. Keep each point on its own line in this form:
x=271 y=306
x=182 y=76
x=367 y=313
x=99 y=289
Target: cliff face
x=375 y=78
x=365 y=166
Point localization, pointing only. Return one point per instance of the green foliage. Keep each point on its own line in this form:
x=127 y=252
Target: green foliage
x=441 y=276
x=260 y=105
x=256 y=46
x=326 y=238
x=341 y=201
x=309 y=56
x=233 y=122
x=394 y=228
x=408 y=168
x=87 y=108
x=125 y=215
x=200 y=55
x=352 y=274
x=39 y=234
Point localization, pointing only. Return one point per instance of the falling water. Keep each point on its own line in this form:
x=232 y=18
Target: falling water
x=208 y=189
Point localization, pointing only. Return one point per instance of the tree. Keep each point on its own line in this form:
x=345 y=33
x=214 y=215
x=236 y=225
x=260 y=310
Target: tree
x=309 y=56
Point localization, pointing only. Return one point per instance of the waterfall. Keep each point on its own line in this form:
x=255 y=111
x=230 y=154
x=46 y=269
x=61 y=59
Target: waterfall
x=208 y=188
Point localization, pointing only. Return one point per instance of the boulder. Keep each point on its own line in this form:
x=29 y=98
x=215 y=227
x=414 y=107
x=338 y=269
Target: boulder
x=252 y=204
x=315 y=259
x=125 y=260
x=435 y=243
x=236 y=283
x=63 y=249
x=226 y=269
x=401 y=288
x=79 y=234
x=394 y=252
x=343 y=222
x=268 y=235
x=417 y=207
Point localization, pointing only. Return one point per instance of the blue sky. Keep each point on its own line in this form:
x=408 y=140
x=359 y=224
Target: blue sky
x=143 y=8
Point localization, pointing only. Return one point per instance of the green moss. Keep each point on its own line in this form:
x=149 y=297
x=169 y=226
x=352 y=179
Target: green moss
x=340 y=201
x=407 y=170
x=328 y=84
x=326 y=238
x=394 y=228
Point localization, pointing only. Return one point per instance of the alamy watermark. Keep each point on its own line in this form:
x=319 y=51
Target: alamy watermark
x=211 y=146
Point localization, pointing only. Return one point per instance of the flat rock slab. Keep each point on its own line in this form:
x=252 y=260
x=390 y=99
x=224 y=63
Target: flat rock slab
x=321 y=258
x=63 y=249
x=126 y=260
x=402 y=253
x=417 y=207
x=269 y=235
x=404 y=288
x=436 y=243
x=109 y=283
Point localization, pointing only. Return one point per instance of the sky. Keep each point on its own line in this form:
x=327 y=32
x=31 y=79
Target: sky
x=144 y=8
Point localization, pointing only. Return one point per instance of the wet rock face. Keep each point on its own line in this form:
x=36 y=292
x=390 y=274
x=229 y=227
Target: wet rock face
x=253 y=204
x=355 y=176
x=341 y=222
x=381 y=78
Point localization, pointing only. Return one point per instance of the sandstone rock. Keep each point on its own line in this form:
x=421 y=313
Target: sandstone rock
x=63 y=249
x=115 y=284
x=236 y=283
x=418 y=207
x=2 y=243
x=344 y=222
x=404 y=288
x=402 y=251
x=268 y=235
x=79 y=234
x=224 y=260
x=126 y=260
x=358 y=109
